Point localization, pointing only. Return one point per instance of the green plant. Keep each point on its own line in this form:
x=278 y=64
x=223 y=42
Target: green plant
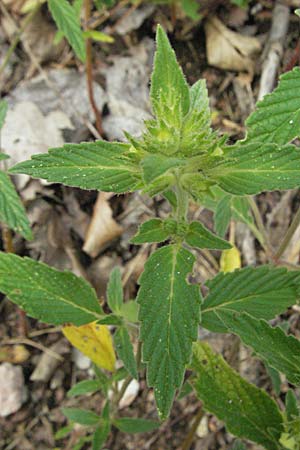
x=180 y=157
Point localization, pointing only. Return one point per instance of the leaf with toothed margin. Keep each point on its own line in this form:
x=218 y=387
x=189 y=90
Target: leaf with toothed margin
x=277 y=116
x=47 y=294
x=278 y=350
x=257 y=167
x=200 y=237
x=12 y=211
x=169 y=315
x=248 y=412
x=263 y=292
x=105 y=166
x=169 y=90
x=68 y=23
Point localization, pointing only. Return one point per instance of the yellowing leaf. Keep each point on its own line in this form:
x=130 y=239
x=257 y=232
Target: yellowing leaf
x=230 y=260
x=94 y=341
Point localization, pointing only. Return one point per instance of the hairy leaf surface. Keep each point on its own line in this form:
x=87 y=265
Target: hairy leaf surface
x=168 y=84
x=253 y=168
x=154 y=230
x=280 y=351
x=199 y=236
x=277 y=116
x=46 y=293
x=247 y=411
x=68 y=23
x=91 y=165
x=264 y=292
x=12 y=211
x=169 y=315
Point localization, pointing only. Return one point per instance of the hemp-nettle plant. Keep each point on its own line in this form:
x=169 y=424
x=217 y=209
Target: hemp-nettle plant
x=180 y=157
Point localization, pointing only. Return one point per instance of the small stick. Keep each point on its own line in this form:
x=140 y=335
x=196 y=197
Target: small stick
x=289 y=234
x=274 y=48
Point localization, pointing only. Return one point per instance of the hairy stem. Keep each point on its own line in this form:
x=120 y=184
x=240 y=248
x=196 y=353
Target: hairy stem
x=182 y=202
x=89 y=70
x=289 y=234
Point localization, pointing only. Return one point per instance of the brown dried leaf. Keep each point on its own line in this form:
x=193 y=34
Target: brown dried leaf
x=14 y=354
x=103 y=228
x=229 y=50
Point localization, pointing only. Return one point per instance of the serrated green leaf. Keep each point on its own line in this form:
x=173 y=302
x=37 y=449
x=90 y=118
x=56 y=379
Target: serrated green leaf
x=264 y=292
x=154 y=230
x=84 y=387
x=169 y=315
x=130 y=425
x=124 y=349
x=222 y=215
x=12 y=211
x=68 y=23
x=46 y=293
x=169 y=89
x=81 y=416
x=200 y=237
x=277 y=116
x=255 y=167
x=115 y=290
x=3 y=111
x=247 y=411
x=271 y=344
x=97 y=165
x=241 y=211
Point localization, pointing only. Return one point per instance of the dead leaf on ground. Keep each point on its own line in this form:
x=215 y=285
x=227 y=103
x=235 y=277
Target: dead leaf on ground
x=39 y=36
x=229 y=50
x=103 y=228
x=14 y=354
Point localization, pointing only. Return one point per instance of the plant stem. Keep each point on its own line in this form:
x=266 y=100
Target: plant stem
x=182 y=202
x=289 y=234
x=89 y=70
x=264 y=241
x=17 y=38
x=186 y=445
